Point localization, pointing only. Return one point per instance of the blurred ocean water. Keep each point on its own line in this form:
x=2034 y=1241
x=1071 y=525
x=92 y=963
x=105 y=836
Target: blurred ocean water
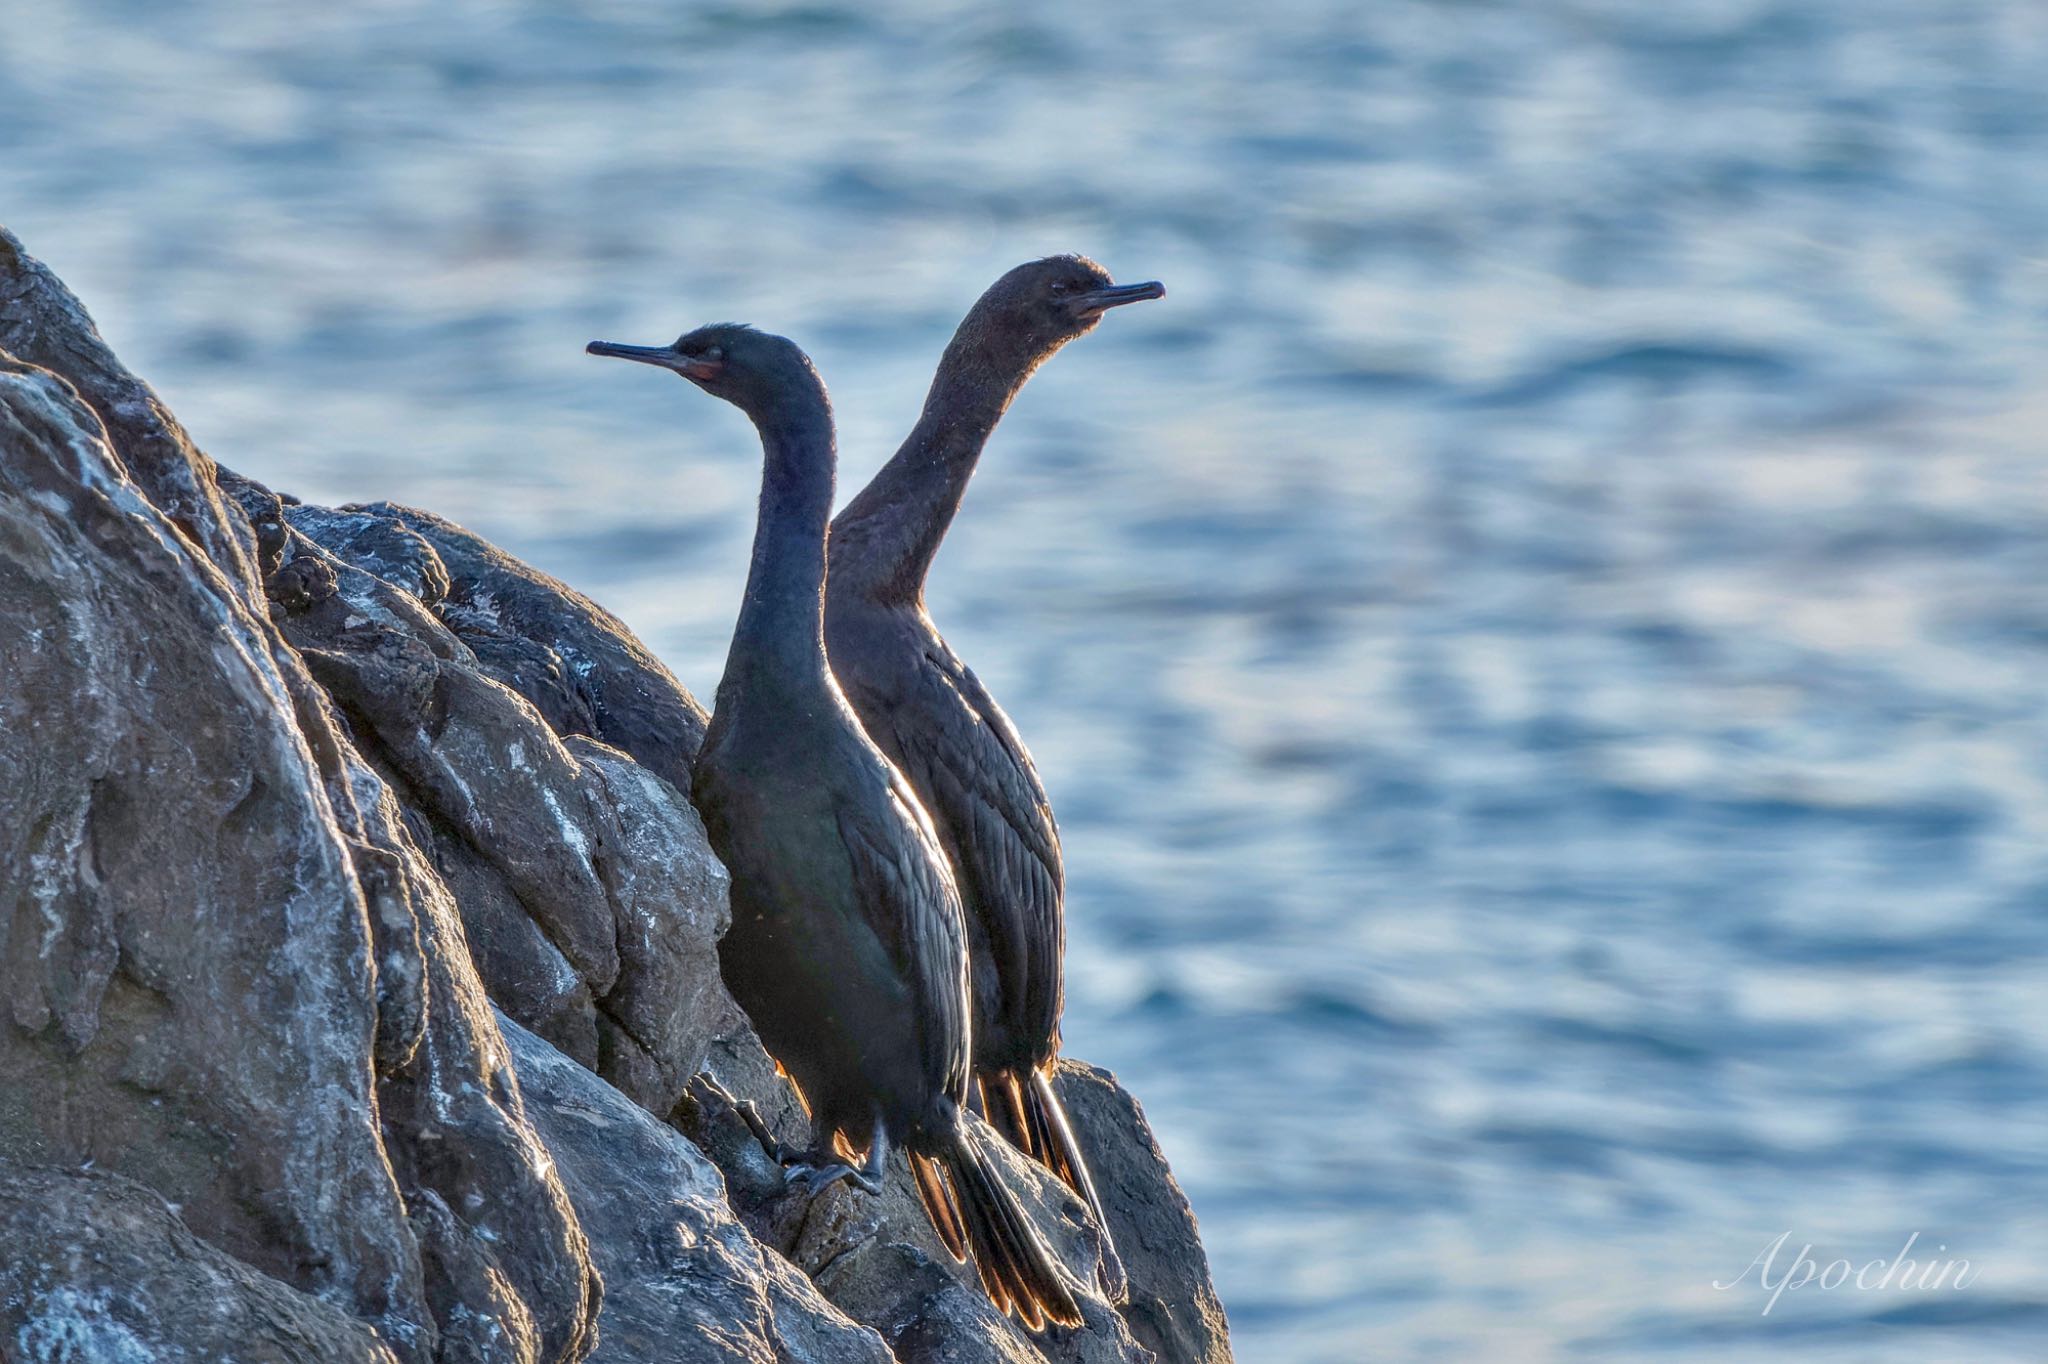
x=1539 y=643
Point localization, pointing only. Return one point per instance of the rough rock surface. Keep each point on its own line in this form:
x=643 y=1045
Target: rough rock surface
x=574 y=660
x=98 y=1268
x=687 y=1280
x=177 y=989
x=289 y=796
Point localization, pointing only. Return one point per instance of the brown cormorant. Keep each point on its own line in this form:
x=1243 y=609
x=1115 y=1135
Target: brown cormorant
x=847 y=947
x=938 y=724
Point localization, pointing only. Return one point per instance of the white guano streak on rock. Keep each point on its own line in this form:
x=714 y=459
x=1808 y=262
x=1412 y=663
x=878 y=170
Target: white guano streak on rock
x=69 y=1325
x=571 y=834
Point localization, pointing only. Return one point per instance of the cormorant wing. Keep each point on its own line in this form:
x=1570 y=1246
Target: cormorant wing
x=907 y=893
x=956 y=743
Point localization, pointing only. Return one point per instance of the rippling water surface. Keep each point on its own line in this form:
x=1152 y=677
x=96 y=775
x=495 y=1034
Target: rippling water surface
x=1538 y=644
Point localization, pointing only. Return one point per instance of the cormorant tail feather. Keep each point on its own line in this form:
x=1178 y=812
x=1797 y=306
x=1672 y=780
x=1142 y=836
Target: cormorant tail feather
x=940 y=1205
x=1054 y=1144
x=1017 y=1268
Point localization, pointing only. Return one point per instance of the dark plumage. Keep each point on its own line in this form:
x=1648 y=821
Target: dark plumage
x=847 y=947
x=938 y=724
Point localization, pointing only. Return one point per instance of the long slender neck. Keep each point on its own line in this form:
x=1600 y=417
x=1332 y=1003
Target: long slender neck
x=779 y=639
x=884 y=541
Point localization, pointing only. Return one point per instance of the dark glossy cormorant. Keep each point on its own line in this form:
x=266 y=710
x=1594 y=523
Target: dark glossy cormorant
x=847 y=947
x=938 y=724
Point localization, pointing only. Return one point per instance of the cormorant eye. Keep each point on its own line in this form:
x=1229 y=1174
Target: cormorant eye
x=715 y=353
x=1059 y=286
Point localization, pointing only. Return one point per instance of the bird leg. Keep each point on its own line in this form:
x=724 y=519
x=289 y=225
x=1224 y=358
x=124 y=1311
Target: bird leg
x=820 y=1167
x=749 y=1115
x=871 y=1170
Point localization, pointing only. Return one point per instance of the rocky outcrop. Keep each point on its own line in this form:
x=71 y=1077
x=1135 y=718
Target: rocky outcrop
x=289 y=798
x=232 y=976
x=878 y=1259
x=590 y=898
x=1172 y=1306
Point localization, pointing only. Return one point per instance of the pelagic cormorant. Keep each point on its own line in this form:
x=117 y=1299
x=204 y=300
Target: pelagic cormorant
x=938 y=724
x=847 y=947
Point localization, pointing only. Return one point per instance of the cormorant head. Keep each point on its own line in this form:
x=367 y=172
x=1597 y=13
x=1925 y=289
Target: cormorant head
x=750 y=369
x=1041 y=305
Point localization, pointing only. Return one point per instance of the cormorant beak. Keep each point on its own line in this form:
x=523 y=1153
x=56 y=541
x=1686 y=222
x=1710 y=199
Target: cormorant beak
x=1098 y=301
x=668 y=357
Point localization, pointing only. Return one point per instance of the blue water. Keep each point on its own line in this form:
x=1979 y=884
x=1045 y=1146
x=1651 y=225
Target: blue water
x=1539 y=644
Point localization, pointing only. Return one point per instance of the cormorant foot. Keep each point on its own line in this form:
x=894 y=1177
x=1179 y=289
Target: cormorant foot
x=821 y=1169
x=816 y=1178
